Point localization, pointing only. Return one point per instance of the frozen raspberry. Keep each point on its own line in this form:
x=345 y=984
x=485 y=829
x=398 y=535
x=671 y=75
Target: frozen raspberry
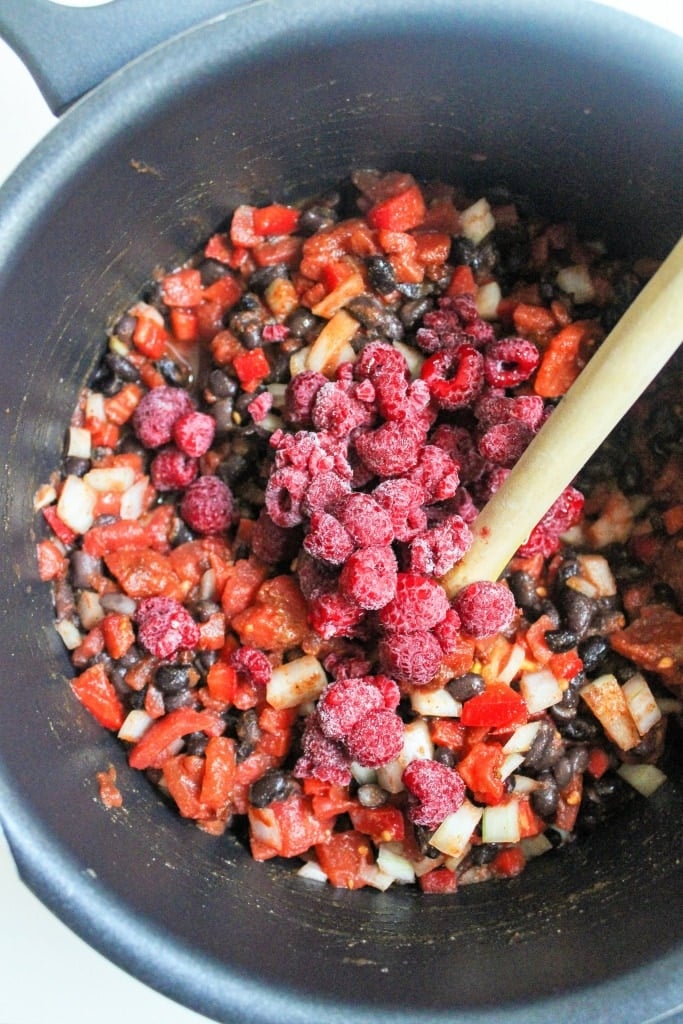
x=485 y=608
x=392 y=449
x=328 y=540
x=454 y=377
x=462 y=504
x=419 y=604
x=402 y=500
x=492 y=409
x=365 y=519
x=510 y=361
x=156 y=413
x=437 y=550
x=285 y=493
x=348 y=664
x=343 y=703
x=274 y=332
x=207 y=505
x=272 y=543
x=165 y=626
x=411 y=657
x=562 y=514
x=438 y=790
x=260 y=406
x=490 y=482
x=369 y=577
x=194 y=433
x=321 y=757
x=506 y=442
x=376 y=739
x=436 y=474
x=456 y=322
x=382 y=364
x=323 y=492
x=337 y=411
x=173 y=470
x=315 y=578
x=447 y=632
x=300 y=396
x=253 y=664
x=391 y=694
x=462 y=448
x=333 y=614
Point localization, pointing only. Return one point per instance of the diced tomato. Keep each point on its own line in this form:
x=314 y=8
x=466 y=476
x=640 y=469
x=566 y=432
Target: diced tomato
x=328 y=799
x=121 y=406
x=154 y=701
x=251 y=367
x=242 y=582
x=142 y=572
x=276 y=719
x=383 y=824
x=277 y=619
x=509 y=862
x=498 y=705
x=153 y=748
x=52 y=565
x=530 y=824
x=447 y=732
x=565 y=665
x=275 y=220
x=462 y=282
x=286 y=828
x=118 y=633
x=96 y=692
x=225 y=291
x=184 y=325
x=276 y=743
x=219 y=248
x=149 y=337
x=90 y=646
x=247 y=694
x=564 y=358
x=183 y=776
x=278 y=250
x=535 y=639
x=440 y=880
x=400 y=212
x=221 y=680
x=530 y=319
x=110 y=794
x=433 y=247
x=58 y=526
x=212 y=633
x=225 y=346
x=480 y=769
x=242 y=231
x=193 y=558
x=598 y=762
x=182 y=288
x=220 y=766
x=343 y=857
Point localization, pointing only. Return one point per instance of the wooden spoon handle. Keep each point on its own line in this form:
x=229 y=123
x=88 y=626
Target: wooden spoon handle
x=627 y=361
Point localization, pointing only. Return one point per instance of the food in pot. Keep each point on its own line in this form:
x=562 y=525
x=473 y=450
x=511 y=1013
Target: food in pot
x=278 y=458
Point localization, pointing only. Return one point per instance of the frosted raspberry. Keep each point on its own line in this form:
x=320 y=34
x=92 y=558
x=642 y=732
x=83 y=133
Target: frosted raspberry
x=274 y=332
x=447 y=632
x=343 y=703
x=454 y=377
x=253 y=664
x=207 y=505
x=156 y=413
x=365 y=519
x=510 y=362
x=419 y=603
x=438 y=790
x=300 y=396
x=321 y=757
x=402 y=499
x=194 y=433
x=505 y=442
x=456 y=322
x=173 y=470
x=272 y=543
x=315 y=578
x=562 y=514
x=285 y=492
x=437 y=550
x=260 y=406
x=337 y=411
x=411 y=657
x=328 y=539
x=376 y=739
x=382 y=364
x=165 y=626
x=369 y=577
x=391 y=694
x=348 y=664
x=485 y=608
x=463 y=505
x=489 y=483
x=334 y=614
x=323 y=492
x=391 y=449
x=462 y=448
x=436 y=474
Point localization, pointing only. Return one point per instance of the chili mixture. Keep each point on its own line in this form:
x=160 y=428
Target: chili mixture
x=280 y=455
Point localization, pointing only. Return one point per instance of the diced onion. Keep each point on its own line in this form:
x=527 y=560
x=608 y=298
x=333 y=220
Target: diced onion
x=577 y=282
x=412 y=356
x=312 y=871
x=535 y=846
x=135 y=725
x=488 y=300
x=525 y=784
x=394 y=864
x=500 y=824
x=645 y=778
x=641 y=703
x=417 y=745
x=112 y=478
x=363 y=776
x=94 y=406
x=540 y=690
x=510 y=764
x=522 y=738
x=297 y=361
x=80 y=443
x=477 y=221
x=595 y=569
x=438 y=703
x=606 y=700
x=455 y=831
x=513 y=664
x=373 y=876
x=296 y=681
x=90 y=611
x=133 y=500
x=70 y=634
x=332 y=346
x=76 y=504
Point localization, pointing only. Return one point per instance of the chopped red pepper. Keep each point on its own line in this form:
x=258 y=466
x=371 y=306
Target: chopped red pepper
x=97 y=693
x=251 y=367
x=343 y=858
x=480 y=770
x=383 y=824
x=509 y=862
x=401 y=212
x=275 y=220
x=58 y=526
x=498 y=705
x=149 y=337
x=440 y=880
x=52 y=565
x=182 y=288
x=462 y=282
x=220 y=766
x=152 y=750
x=118 y=634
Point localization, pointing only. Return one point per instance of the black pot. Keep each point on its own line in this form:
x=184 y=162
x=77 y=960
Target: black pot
x=572 y=104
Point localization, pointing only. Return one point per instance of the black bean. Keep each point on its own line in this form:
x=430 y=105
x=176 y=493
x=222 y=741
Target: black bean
x=196 y=743
x=64 y=600
x=574 y=762
x=316 y=218
x=222 y=411
x=546 y=607
x=105 y=380
x=546 y=748
x=117 y=602
x=523 y=587
x=371 y=795
x=172 y=678
x=483 y=853
x=580 y=729
x=560 y=640
x=464 y=252
x=381 y=275
x=593 y=652
x=83 y=568
x=372 y=315
x=570 y=567
x=122 y=367
x=204 y=609
x=274 y=785
x=545 y=799
x=175 y=374
x=221 y=385
x=263 y=276
x=233 y=468
x=412 y=311
x=125 y=327
x=565 y=709
x=302 y=322
x=464 y=687
x=444 y=755
x=205 y=659
x=211 y=271
x=173 y=701
x=422 y=836
x=577 y=610
x=130 y=658
x=248 y=733
x=75 y=466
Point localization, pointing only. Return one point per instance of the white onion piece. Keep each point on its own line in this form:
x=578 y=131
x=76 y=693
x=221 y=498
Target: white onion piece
x=133 y=500
x=595 y=569
x=312 y=871
x=413 y=357
x=90 y=611
x=417 y=745
x=500 y=824
x=79 y=443
x=111 y=478
x=76 y=504
x=94 y=406
x=540 y=690
x=641 y=703
x=535 y=846
x=488 y=299
x=69 y=633
x=455 y=831
x=510 y=764
x=645 y=778
x=525 y=784
x=296 y=681
x=513 y=664
x=373 y=876
x=606 y=700
x=477 y=221
x=363 y=776
x=394 y=864
x=135 y=725
x=577 y=282
x=437 y=703
x=522 y=738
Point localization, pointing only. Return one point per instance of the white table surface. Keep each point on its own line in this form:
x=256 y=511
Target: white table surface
x=47 y=974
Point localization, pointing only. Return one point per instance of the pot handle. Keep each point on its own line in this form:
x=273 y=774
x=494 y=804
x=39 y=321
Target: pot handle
x=68 y=50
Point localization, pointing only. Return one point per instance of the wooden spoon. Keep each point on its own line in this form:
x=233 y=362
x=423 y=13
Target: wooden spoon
x=627 y=361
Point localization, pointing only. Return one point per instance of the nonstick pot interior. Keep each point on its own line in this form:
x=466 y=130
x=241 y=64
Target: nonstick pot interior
x=576 y=107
